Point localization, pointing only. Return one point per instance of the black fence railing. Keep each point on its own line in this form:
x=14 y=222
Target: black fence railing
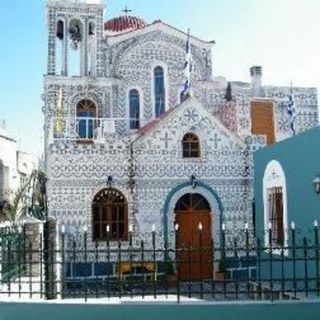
x=194 y=269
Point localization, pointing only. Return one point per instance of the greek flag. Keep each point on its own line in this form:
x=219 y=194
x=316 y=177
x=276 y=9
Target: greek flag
x=291 y=112
x=187 y=69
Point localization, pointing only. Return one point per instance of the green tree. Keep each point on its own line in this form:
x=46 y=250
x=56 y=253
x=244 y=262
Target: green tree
x=29 y=198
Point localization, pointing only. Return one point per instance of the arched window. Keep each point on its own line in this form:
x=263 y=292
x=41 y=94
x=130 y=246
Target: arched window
x=86 y=112
x=275 y=204
x=59 y=48
x=110 y=208
x=159 y=91
x=134 y=100
x=191 y=146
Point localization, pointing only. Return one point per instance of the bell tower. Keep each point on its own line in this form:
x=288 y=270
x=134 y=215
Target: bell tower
x=75 y=37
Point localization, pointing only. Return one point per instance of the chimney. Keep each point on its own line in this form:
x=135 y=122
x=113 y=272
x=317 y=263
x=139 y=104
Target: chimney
x=256 y=81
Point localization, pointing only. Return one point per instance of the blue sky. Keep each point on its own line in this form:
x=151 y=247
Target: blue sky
x=281 y=35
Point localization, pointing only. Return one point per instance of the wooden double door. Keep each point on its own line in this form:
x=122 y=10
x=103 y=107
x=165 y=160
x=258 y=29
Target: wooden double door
x=194 y=238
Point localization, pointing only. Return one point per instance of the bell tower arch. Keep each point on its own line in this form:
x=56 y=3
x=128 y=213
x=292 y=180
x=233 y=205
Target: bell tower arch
x=75 y=36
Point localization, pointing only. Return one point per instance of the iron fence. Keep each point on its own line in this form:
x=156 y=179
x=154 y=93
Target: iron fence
x=13 y=248
x=233 y=270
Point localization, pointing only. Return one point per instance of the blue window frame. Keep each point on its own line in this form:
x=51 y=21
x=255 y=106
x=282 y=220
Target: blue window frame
x=86 y=112
x=86 y=125
x=134 y=100
x=159 y=91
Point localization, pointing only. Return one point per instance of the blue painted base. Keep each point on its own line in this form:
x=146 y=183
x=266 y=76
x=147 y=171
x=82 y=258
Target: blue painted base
x=240 y=311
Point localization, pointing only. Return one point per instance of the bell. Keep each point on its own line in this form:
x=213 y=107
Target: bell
x=75 y=34
x=74 y=45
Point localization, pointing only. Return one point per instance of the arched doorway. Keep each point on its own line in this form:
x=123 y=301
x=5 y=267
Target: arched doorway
x=110 y=208
x=194 y=237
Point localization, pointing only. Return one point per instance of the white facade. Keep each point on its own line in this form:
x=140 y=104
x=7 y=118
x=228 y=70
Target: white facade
x=147 y=165
x=15 y=165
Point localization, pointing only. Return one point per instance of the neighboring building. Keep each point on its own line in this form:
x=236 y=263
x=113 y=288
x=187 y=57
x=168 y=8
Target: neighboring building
x=15 y=165
x=122 y=150
x=285 y=174
x=284 y=191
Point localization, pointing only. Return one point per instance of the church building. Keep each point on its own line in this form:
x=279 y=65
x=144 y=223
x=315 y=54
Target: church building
x=128 y=150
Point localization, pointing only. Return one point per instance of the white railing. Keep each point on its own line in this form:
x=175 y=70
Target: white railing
x=88 y=129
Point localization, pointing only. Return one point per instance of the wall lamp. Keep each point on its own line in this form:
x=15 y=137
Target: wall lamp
x=109 y=182
x=193 y=181
x=316 y=185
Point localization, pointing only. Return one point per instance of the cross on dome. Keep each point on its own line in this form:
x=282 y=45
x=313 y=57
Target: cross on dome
x=126 y=10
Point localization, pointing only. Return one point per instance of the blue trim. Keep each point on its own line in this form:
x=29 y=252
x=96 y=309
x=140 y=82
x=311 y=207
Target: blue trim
x=175 y=190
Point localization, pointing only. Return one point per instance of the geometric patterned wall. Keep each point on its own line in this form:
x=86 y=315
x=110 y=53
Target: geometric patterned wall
x=148 y=165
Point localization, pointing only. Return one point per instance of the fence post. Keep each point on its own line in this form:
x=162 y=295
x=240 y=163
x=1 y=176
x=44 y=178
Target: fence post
x=282 y=271
x=57 y=263
x=177 y=262
x=108 y=257
x=305 y=256
x=259 y=249
x=316 y=246
x=96 y=261
x=201 y=259
x=189 y=270
x=293 y=244
x=235 y=256
x=154 y=263
x=9 y=263
x=247 y=258
x=63 y=236
x=85 y=263
x=131 y=262
x=223 y=256
x=41 y=259
x=30 y=268
x=143 y=273
x=270 y=262
x=46 y=259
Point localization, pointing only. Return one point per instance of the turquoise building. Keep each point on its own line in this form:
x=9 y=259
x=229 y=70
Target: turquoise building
x=287 y=211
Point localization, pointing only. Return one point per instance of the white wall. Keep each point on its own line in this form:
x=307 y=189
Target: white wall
x=17 y=162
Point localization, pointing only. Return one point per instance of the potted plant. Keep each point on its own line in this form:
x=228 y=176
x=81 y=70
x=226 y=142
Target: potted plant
x=220 y=275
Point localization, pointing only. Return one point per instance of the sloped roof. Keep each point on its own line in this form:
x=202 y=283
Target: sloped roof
x=159 y=24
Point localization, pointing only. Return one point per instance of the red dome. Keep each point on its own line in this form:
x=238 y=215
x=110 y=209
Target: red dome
x=124 y=23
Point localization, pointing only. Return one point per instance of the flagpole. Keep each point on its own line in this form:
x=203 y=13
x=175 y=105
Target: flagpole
x=291 y=110
x=190 y=63
x=187 y=92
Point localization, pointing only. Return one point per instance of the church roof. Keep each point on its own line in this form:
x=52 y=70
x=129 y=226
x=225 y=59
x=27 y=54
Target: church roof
x=144 y=27
x=153 y=123
x=124 y=24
